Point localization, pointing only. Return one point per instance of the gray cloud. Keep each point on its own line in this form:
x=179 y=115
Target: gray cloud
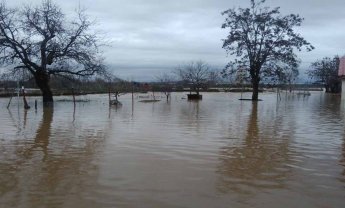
x=151 y=36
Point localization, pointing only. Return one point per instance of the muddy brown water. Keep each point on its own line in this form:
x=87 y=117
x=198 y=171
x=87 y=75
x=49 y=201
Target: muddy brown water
x=219 y=152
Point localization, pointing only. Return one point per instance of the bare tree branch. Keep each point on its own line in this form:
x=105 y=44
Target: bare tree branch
x=46 y=43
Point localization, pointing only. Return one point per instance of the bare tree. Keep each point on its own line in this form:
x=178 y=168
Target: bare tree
x=116 y=86
x=166 y=82
x=42 y=41
x=289 y=76
x=260 y=37
x=121 y=87
x=195 y=74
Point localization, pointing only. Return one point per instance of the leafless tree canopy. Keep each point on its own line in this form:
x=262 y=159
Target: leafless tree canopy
x=262 y=40
x=41 y=40
x=166 y=82
x=196 y=74
x=165 y=78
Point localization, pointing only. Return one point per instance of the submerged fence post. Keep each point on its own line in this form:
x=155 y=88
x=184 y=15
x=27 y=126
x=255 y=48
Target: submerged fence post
x=109 y=95
x=73 y=96
x=9 y=103
x=26 y=106
x=132 y=92
x=132 y=98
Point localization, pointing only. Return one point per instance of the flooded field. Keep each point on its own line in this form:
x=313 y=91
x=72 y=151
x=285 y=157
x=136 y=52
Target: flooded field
x=219 y=152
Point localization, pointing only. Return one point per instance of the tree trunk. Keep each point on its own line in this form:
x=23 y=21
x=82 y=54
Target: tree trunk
x=334 y=87
x=255 y=83
x=42 y=81
x=326 y=88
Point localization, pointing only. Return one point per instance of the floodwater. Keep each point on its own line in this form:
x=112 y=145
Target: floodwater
x=219 y=152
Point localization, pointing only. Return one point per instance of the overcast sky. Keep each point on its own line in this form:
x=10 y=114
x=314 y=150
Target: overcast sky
x=149 y=37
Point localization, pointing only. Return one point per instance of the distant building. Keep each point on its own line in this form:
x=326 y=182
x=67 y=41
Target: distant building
x=341 y=73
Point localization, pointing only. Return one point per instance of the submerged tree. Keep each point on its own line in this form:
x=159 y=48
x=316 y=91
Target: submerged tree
x=42 y=41
x=261 y=39
x=291 y=74
x=325 y=71
x=166 y=82
x=195 y=74
x=285 y=74
x=121 y=87
x=115 y=85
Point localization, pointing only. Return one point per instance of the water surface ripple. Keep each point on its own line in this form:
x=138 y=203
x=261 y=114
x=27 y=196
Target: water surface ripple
x=219 y=152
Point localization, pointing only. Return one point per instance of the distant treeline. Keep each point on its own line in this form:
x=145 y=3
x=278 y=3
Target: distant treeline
x=65 y=86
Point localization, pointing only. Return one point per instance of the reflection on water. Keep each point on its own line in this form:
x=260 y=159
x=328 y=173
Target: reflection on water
x=218 y=152
x=41 y=140
x=51 y=166
x=257 y=161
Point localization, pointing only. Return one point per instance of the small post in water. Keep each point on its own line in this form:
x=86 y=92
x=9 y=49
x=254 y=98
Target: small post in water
x=73 y=96
x=132 y=93
x=26 y=106
x=109 y=95
x=9 y=102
